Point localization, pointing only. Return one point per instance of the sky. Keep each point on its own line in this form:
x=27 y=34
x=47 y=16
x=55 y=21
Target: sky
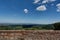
x=30 y=11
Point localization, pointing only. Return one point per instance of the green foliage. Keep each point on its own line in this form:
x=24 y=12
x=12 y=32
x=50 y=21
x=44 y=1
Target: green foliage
x=57 y=26
x=27 y=27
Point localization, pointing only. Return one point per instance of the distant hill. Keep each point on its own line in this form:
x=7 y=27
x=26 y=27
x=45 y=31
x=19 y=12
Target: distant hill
x=10 y=26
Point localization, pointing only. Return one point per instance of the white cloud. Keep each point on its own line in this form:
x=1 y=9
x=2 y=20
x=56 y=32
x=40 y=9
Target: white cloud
x=26 y=10
x=44 y=1
x=36 y=1
x=41 y=8
x=58 y=7
x=47 y=1
x=58 y=10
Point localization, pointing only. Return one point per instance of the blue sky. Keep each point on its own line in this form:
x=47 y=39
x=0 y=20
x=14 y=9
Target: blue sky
x=30 y=11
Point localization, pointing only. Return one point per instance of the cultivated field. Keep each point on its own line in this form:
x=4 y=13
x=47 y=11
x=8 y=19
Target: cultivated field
x=29 y=35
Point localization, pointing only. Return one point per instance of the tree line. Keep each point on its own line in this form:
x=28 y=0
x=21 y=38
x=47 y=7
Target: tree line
x=55 y=26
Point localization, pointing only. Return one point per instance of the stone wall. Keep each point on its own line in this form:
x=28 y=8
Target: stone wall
x=29 y=35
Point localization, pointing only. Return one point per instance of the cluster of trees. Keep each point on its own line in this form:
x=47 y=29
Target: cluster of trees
x=55 y=26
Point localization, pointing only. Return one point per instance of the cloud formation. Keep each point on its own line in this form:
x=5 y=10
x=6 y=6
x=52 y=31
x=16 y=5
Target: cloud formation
x=25 y=10
x=58 y=7
x=47 y=1
x=36 y=1
x=41 y=8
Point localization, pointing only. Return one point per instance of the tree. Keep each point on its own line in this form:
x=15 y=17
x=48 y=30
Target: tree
x=57 y=26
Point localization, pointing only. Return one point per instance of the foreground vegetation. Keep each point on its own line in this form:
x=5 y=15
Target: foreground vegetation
x=55 y=26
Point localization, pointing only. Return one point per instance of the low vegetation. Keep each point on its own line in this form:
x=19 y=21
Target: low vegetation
x=55 y=26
